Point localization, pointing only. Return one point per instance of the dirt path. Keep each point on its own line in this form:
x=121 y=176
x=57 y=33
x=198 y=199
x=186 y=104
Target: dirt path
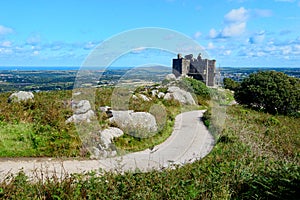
x=189 y=141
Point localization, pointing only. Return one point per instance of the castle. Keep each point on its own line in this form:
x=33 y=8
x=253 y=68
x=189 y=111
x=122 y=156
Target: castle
x=198 y=68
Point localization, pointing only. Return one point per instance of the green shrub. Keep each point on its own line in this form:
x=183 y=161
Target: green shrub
x=230 y=84
x=273 y=92
x=196 y=87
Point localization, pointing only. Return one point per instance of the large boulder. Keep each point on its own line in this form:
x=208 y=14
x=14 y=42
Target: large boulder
x=82 y=112
x=107 y=135
x=170 y=77
x=180 y=95
x=138 y=124
x=20 y=96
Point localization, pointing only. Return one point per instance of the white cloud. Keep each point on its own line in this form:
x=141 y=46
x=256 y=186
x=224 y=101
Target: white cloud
x=213 y=33
x=286 y=50
x=227 y=52
x=197 y=34
x=89 y=45
x=33 y=40
x=5 y=51
x=236 y=22
x=210 y=45
x=237 y=15
x=257 y=38
x=36 y=53
x=5 y=30
x=234 y=29
x=5 y=44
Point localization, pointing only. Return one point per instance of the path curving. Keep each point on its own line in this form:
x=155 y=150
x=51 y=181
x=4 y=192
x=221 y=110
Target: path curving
x=189 y=141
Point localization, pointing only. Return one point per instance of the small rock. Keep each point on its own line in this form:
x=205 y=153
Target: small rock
x=144 y=97
x=104 y=108
x=160 y=95
x=81 y=107
x=76 y=118
x=135 y=97
x=107 y=135
x=76 y=93
x=20 y=96
x=154 y=92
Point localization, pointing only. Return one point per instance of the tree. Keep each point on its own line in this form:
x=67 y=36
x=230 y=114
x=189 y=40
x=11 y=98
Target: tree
x=230 y=84
x=274 y=92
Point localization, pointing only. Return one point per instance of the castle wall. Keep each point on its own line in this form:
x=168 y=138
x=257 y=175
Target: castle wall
x=200 y=69
x=181 y=66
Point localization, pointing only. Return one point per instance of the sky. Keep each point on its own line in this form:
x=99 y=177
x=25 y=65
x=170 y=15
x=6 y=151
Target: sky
x=237 y=33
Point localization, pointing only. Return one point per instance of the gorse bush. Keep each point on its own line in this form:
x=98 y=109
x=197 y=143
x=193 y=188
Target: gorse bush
x=273 y=92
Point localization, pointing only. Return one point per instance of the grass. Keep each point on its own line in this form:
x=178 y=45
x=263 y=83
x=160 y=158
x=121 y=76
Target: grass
x=15 y=140
x=128 y=143
x=239 y=167
x=38 y=128
x=256 y=155
x=39 y=125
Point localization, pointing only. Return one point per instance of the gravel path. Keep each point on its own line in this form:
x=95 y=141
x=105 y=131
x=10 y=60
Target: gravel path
x=189 y=141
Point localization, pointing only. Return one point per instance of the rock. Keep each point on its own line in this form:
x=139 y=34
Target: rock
x=82 y=112
x=144 y=97
x=180 y=95
x=104 y=108
x=135 y=97
x=81 y=107
x=76 y=93
x=107 y=135
x=76 y=118
x=107 y=110
x=160 y=95
x=138 y=124
x=20 y=96
x=154 y=92
x=170 y=77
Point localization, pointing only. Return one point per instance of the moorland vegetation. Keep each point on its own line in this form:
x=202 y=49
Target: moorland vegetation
x=256 y=155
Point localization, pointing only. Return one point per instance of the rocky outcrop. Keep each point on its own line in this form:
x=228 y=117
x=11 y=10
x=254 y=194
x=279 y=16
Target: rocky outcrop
x=180 y=95
x=20 y=96
x=138 y=124
x=82 y=112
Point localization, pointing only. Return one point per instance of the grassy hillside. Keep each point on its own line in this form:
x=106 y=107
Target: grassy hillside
x=256 y=157
x=37 y=128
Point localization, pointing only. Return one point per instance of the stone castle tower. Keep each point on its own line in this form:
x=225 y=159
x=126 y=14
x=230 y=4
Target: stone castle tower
x=198 y=68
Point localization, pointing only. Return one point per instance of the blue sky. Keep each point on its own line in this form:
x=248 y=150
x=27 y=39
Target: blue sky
x=241 y=33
